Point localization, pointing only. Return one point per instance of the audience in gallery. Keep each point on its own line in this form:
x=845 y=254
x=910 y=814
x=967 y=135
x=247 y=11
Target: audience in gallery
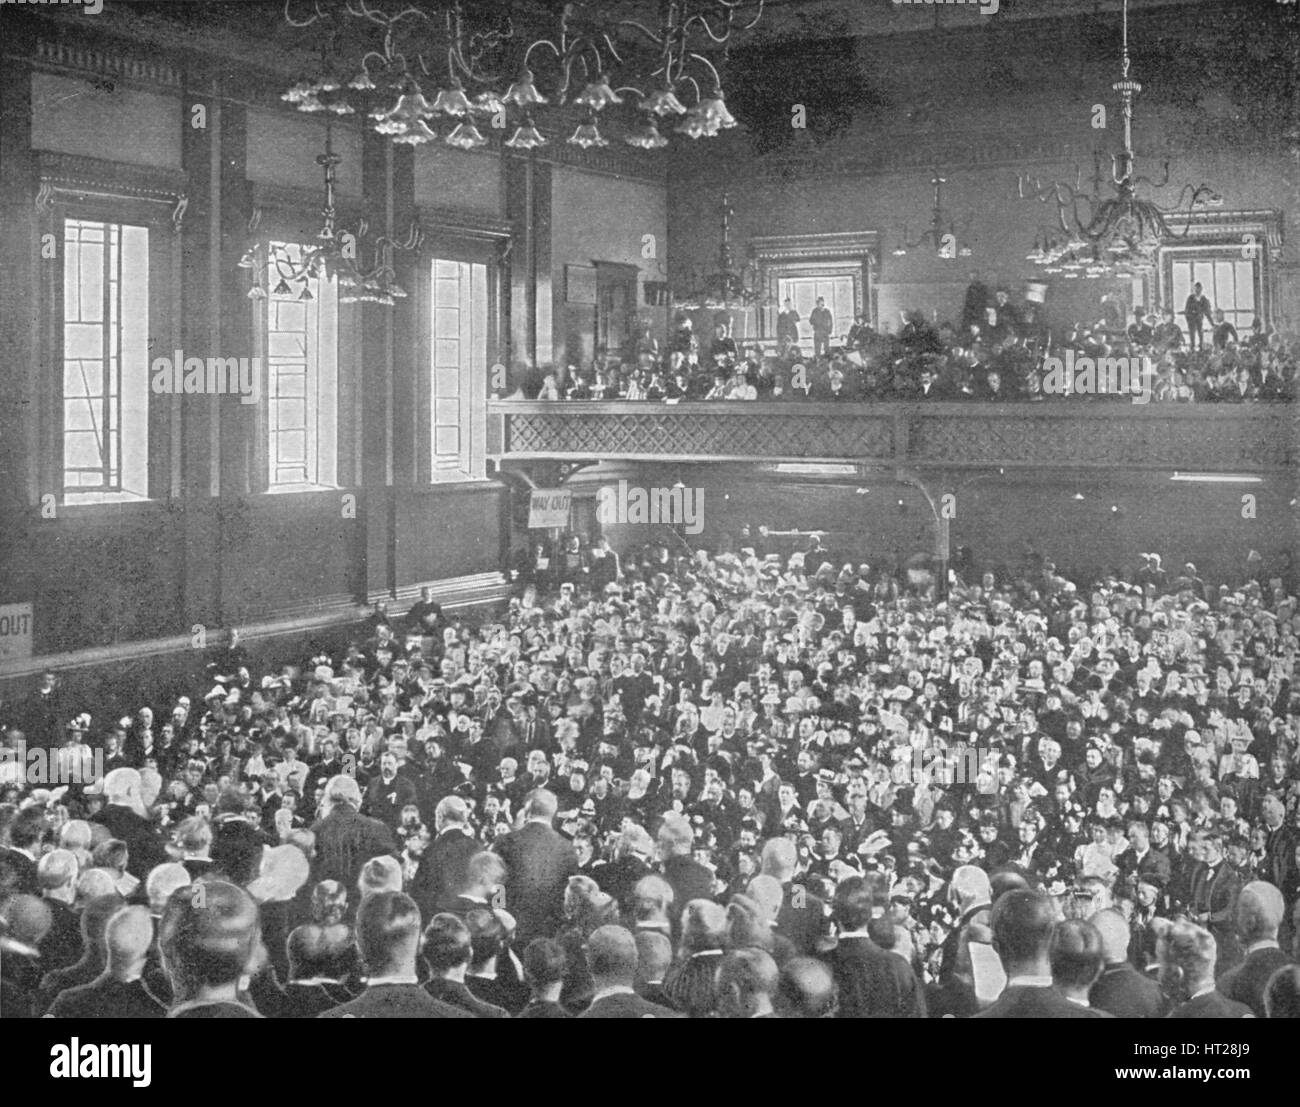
x=994 y=353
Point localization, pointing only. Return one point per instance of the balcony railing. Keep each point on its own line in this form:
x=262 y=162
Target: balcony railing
x=1060 y=434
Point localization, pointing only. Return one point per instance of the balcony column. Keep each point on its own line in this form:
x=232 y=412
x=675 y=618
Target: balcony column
x=931 y=487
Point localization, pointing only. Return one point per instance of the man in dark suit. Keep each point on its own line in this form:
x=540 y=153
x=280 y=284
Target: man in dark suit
x=315 y=956
x=1022 y=922
x=1187 y=954
x=746 y=985
x=18 y=858
x=1260 y=910
x=1214 y=891
x=448 y=949
x=802 y=917
x=388 y=936
x=1121 y=989
x=872 y=982
x=539 y=862
x=444 y=866
x=119 y=992
x=688 y=878
x=1141 y=861
x=611 y=955
x=1077 y=957
x=346 y=839
x=121 y=814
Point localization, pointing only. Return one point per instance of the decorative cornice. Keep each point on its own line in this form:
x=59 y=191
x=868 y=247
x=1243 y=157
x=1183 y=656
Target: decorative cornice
x=72 y=177
x=1211 y=225
x=851 y=245
x=84 y=59
x=466 y=224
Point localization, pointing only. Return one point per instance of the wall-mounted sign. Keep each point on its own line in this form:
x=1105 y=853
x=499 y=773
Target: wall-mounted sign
x=549 y=507
x=15 y=631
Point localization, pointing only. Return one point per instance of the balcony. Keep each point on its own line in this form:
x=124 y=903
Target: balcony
x=1071 y=434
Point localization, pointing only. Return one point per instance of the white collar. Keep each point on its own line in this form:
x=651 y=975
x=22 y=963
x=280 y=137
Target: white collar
x=613 y=990
x=1263 y=943
x=383 y=981
x=1029 y=981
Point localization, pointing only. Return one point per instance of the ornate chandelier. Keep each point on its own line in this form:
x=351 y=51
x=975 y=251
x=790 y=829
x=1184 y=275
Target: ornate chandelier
x=334 y=255
x=1111 y=236
x=942 y=233
x=464 y=50
x=726 y=287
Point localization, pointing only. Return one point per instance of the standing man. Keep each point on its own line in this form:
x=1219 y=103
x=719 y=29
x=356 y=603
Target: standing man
x=787 y=328
x=539 y=862
x=823 y=323
x=444 y=866
x=1196 y=311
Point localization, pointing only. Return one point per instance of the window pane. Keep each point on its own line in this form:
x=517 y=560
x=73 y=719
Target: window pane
x=446 y=440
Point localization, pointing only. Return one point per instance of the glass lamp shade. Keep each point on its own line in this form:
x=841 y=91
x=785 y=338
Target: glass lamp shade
x=663 y=101
x=588 y=135
x=452 y=101
x=523 y=93
x=598 y=95
x=415 y=134
x=526 y=137
x=466 y=136
x=714 y=109
x=647 y=137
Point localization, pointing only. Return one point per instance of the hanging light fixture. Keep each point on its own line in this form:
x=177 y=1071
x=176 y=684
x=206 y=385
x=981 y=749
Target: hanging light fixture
x=727 y=286
x=1118 y=235
x=942 y=234
x=572 y=65
x=333 y=256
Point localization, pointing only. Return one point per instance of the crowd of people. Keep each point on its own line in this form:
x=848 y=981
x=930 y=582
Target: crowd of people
x=994 y=352
x=717 y=785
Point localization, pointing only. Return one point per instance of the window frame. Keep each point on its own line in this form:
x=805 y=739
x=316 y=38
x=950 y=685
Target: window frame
x=293 y=216
x=470 y=243
x=91 y=190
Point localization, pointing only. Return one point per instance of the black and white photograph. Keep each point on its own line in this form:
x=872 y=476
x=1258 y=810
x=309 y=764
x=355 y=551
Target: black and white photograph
x=671 y=509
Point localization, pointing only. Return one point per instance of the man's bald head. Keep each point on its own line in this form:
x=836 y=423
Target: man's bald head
x=451 y=811
x=779 y=859
x=127 y=939
x=767 y=894
x=1260 y=910
x=970 y=887
x=806 y=989
x=1114 y=933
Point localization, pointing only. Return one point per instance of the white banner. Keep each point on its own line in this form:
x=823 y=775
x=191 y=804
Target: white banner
x=549 y=507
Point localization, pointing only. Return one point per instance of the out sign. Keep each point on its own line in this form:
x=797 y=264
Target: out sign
x=549 y=507
x=15 y=631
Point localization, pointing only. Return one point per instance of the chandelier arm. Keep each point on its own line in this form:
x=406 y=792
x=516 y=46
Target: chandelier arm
x=702 y=19
x=609 y=45
x=289 y=19
x=1155 y=184
x=717 y=80
x=734 y=5
x=657 y=39
x=541 y=42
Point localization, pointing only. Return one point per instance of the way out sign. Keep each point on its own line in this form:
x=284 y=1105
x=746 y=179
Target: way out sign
x=15 y=631
x=549 y=507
